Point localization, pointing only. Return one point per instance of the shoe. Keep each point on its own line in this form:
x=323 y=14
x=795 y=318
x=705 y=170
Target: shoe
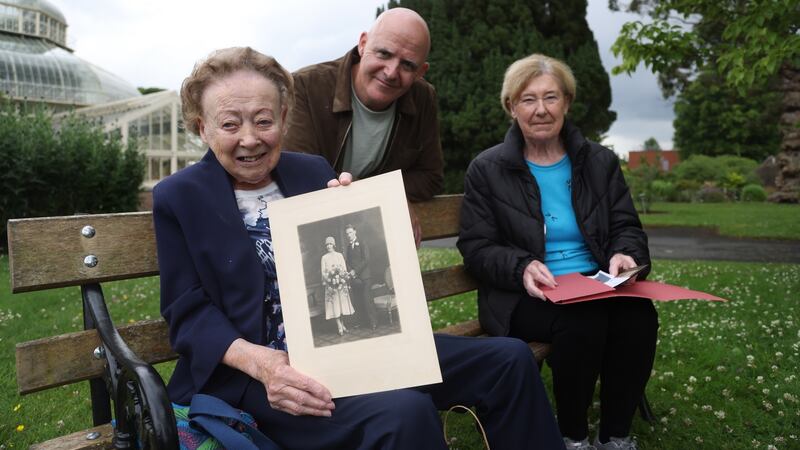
x=578 y=445
x=615 y=443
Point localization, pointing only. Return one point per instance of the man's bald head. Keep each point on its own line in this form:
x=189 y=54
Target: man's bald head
x=393 y=56
x=406 y=20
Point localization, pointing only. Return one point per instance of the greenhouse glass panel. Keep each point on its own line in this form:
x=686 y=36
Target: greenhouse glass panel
x=28 y=22
x=43 y=25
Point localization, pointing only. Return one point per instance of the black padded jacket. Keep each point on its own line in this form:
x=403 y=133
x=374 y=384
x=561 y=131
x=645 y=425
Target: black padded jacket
x=502 y=227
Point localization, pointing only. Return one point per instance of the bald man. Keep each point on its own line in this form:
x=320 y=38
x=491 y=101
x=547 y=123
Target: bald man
x=370 y=112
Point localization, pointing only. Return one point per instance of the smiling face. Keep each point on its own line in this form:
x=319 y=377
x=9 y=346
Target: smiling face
x=392 y=57
x=242 y=123
x=540 y=110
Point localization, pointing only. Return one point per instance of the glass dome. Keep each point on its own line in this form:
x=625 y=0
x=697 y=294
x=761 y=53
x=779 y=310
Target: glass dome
x=33 y=18
x=36 y=65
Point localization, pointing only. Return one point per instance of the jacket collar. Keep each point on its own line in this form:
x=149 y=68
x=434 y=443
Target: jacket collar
x=344 y=82
x=289 y=186
x=511 y=153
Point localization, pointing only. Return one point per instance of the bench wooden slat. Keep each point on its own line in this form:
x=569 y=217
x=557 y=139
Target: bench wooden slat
x=68 y=358
x=439 y=217
x=445 y=282
x=41 y=364
x=78 y=441
x=47 y=253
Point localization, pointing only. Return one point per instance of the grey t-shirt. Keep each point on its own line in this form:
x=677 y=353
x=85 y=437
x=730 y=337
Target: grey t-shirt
x=369 y=136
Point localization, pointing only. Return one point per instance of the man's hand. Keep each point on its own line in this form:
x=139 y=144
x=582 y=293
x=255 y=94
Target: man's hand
x=535 y=275
x=415 y=225
x=620 y=262
x=345 y=178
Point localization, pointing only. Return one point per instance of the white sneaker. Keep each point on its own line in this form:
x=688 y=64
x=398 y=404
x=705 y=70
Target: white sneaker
x=578 y=445
x=615 y=443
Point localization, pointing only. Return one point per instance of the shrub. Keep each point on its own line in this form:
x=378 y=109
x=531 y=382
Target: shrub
x=687 y=190
x=711 y=194
x=663 y=190
x=700 y=168
x=76 y=168
x=753 y=193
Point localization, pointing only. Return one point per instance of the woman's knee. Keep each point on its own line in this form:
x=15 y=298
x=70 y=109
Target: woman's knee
x=403 y=410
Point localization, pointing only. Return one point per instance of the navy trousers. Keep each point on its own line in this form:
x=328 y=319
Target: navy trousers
x=498 y=376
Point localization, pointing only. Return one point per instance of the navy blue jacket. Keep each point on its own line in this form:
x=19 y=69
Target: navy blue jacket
x=212 y=282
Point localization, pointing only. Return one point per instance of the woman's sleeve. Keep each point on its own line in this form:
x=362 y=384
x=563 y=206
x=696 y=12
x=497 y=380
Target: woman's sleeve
x=198 y=330
x=626 y=234
x=487 y=255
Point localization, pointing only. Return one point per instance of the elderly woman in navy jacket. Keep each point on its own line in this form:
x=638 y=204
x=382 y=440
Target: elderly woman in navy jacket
x=547 y=202
x=220 y=297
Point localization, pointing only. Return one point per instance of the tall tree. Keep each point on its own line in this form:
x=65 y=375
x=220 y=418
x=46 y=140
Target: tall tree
x=472 y=45
x=714 y=119
x=651 y=144
x=750 y=44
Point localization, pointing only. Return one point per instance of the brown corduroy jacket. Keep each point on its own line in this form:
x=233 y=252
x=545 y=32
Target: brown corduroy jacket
x=322 y=116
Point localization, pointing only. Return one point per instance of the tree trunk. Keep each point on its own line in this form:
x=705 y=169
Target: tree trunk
x=788 y=179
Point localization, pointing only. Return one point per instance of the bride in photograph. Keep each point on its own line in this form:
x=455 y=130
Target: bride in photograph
x=335 y=278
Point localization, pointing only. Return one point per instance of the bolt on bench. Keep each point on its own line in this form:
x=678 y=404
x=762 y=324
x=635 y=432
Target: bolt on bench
x=85 y=251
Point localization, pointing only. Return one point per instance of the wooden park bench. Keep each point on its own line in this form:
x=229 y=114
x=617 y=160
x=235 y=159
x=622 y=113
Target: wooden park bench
x=87 y=250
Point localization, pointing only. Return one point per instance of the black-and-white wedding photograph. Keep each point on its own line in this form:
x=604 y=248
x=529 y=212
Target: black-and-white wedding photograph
x=348 y=278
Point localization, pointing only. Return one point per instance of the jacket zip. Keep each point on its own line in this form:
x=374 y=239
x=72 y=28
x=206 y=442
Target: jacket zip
x=579 y=220
x=336 y=162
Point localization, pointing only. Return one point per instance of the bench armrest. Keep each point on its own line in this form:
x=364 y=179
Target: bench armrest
x=142 y=408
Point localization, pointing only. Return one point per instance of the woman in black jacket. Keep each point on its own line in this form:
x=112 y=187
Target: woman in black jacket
x=548 y=202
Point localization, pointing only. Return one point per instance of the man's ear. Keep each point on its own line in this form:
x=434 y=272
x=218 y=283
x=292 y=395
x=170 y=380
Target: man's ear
x=362 y=43
x=423 y=69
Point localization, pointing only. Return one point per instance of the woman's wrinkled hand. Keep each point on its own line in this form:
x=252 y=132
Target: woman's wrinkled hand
x=620 y=262
x=535 y=275
x=344 y=179
x=287 y=389
x=292 y=392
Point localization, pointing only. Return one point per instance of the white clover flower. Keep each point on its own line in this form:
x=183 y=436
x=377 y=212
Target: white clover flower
x=720 y=414
x=707 y=379
x=759 y=379
x=765 y=391
x=767 y=405
x=692 y=379
x=706 y=408
x=689 y=389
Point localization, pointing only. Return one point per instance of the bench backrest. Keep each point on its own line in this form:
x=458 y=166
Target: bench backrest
x=46 y=253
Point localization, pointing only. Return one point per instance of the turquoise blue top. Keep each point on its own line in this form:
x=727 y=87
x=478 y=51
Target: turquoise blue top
x=565 y=249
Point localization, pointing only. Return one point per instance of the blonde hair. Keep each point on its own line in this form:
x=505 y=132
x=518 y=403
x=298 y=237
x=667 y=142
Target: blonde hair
x=221 y=63
x=522 y=71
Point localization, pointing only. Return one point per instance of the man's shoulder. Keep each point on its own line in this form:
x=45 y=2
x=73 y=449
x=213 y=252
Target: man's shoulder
x=324 y=71
x=422 y=89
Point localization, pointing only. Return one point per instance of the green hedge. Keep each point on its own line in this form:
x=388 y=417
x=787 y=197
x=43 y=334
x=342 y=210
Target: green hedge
x=75 y=167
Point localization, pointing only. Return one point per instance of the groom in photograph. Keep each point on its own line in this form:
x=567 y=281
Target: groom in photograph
x=356 y=254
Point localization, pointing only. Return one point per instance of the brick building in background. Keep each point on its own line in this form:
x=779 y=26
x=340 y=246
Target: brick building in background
x=666 y=160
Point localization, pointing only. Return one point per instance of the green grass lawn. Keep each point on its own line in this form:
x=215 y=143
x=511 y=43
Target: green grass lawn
x=725 y=374
x=756 y=220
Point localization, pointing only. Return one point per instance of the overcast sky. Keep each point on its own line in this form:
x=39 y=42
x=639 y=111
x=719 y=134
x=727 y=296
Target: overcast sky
x=157 y=42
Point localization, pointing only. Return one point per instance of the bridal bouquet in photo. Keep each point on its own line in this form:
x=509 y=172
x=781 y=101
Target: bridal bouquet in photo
x=337 y=277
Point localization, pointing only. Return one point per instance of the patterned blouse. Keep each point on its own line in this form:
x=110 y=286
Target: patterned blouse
x=253 y=207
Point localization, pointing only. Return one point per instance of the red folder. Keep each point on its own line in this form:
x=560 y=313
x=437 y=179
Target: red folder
x=574 y=288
